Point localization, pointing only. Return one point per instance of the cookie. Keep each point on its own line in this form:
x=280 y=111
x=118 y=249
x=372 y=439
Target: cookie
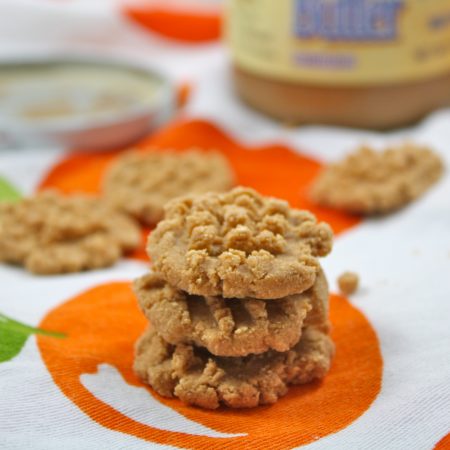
x=238 y=244
x=50 y=233
x=370 y=182
x=142 y=183
x=198 y=378
x=226 y=327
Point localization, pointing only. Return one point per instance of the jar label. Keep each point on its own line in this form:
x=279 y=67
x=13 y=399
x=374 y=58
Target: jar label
x=330 y=42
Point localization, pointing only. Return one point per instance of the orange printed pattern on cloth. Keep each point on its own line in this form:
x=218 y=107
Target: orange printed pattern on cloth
x=444 y=443
x=181 y=25
x=103 y=323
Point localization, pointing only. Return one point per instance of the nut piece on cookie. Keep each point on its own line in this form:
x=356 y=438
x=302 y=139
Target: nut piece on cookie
x=238 y=244
x=231 y=327
x=141 y=183
x=50 y=233
x=348 y=282
x=371 y=182
x=199 y=378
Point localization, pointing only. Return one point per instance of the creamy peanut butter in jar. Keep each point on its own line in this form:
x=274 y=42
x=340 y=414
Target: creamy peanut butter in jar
x=365 y=63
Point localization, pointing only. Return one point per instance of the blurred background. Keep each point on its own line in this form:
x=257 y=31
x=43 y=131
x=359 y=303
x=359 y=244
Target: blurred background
x=71 y=69
x=103 y=73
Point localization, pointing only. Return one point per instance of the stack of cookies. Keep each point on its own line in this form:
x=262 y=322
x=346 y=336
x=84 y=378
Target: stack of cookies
x=237 y=301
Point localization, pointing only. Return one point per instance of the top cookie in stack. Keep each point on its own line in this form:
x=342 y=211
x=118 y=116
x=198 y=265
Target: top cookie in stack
x=238 y=303
x=238 y=244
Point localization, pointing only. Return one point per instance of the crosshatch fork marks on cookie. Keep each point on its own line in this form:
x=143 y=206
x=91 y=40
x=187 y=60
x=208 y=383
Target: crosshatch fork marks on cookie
x=227 y=327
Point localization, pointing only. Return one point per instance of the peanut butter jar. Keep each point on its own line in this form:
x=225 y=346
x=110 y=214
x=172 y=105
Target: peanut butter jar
x=364 y=63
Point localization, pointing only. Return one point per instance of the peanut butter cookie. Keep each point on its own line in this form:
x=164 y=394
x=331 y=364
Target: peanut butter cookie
x=226 y=327
x=50 y=233
x=142 y=183
x=370 y=182
x=238 y=244
x=199 y=378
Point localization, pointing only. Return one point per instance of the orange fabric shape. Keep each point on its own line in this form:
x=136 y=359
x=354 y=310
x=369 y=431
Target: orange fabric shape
x=185 y=26
x=444 y=443
x=184 y=92
x=272 y=170
x=103 y=323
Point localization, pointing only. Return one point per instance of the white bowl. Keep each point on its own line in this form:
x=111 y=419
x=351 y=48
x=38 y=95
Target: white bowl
x=140 y=100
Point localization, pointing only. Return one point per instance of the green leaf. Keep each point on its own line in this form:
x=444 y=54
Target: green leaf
x=11 y=343
x=8 y=193
x=14 y=334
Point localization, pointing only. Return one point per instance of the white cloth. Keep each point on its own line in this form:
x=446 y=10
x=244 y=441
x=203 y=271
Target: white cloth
x=403 y=261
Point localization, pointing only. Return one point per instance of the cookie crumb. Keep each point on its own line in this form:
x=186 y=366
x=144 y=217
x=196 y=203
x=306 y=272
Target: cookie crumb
x=348 y=282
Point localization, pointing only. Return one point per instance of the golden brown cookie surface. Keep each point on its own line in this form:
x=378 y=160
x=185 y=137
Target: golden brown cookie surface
x=142 y=183
x=50 y=233
x=370 y=182
x=317 y=317
x=225 y=327
x=238 y=244
x=196 y=377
